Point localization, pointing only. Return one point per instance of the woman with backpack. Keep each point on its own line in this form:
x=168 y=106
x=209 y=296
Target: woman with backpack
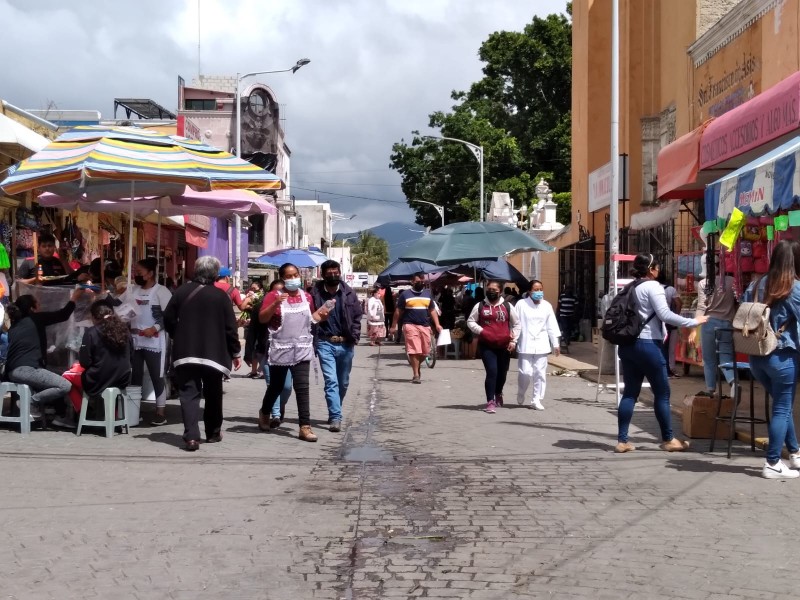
x=645 y=356
x=777 y=372
x=494 y=322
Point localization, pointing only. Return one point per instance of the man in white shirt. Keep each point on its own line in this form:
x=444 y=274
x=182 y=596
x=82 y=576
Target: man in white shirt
x=538 y=336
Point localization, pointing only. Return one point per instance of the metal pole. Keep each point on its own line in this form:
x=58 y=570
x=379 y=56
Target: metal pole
x=441 y=214
x=130 y=236
x=481 y=161
x=613 y=221
x=237 y=220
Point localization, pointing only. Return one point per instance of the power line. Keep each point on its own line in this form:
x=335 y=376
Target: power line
x=350 y=196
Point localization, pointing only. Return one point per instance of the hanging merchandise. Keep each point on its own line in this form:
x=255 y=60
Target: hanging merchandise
x=24 y=238
x=27 y=218
x=5 y=262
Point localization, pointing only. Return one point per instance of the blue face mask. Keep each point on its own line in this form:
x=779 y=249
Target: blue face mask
x=536 y=296
x=292 y=285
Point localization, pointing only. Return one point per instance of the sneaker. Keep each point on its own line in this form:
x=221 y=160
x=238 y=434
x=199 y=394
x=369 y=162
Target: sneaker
x=36 y=413
x=306 y=434
x=158 y=420
x=778 y=471
x=491 y=407
x=275 y=422
x=335 y=426
x=623 y=447
x=498 y=398
x=64 y=422
x=536 y=404
x=674 y=445
x=794 y=460
x=520 y=399
x=673 y=374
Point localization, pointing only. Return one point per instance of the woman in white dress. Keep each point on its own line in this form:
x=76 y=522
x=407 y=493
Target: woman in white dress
x=539 y=334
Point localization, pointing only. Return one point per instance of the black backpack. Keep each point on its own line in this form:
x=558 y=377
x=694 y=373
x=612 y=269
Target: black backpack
x=622 y=323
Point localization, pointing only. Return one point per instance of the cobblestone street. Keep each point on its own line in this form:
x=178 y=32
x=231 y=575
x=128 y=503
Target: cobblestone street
x=421 y=495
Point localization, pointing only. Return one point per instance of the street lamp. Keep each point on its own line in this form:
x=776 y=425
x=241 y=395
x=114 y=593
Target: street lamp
x=237 y=218
x=476 y=150
x=439 y=208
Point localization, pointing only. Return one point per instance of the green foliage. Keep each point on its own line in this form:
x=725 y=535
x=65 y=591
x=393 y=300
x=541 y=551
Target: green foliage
x=519 y=112
x=369 y=253
x=564 y=210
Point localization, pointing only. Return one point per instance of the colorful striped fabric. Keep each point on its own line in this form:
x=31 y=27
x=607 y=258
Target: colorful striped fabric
x=95 y=160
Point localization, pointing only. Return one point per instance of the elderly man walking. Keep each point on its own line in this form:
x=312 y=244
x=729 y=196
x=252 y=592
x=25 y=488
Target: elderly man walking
x=336 y=337
x=200 y=319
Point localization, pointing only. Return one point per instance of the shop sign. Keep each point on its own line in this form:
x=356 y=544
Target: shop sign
x=767 y=117
x=600 y=185
x=187 y=128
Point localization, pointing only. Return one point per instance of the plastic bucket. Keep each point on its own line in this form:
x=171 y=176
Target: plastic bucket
x=132 y=411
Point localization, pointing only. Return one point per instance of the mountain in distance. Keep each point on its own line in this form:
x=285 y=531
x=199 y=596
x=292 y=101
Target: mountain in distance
x=398 y=235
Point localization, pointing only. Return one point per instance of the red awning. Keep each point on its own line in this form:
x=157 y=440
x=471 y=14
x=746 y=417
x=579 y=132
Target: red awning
x=765 y=118
x=678 y=164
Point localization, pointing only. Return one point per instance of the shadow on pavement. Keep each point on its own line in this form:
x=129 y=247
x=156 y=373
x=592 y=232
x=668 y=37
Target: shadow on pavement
x=163 y=437
x=583 y=445
x=693 y=465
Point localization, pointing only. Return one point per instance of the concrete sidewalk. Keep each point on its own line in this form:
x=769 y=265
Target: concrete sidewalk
x=583 y=358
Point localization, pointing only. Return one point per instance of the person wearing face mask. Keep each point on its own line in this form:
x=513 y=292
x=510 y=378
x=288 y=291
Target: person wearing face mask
x=538 y=336
x=376 y=328
x=494 y=322
x=336 y=337
x=416 y=311
x=149 y=339
x=289 y=315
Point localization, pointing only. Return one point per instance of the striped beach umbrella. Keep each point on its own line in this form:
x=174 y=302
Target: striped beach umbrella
x=100 y=162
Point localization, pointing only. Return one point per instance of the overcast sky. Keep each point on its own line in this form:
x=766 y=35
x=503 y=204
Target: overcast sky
x=378 y=68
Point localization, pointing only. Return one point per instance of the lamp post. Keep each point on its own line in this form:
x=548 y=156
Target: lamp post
x=439 y=208
x=477 y=151
x=237 y=218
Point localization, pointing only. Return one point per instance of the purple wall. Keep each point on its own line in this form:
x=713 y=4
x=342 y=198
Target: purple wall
x=218 y=245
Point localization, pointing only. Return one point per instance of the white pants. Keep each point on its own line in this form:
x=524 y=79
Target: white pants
x=532 y=367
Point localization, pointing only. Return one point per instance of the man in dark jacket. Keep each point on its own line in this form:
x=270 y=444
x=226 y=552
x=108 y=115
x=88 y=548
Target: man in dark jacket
x=205 y=340
x=336 y=337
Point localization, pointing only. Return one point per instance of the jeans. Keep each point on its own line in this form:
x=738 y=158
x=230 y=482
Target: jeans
x=565 y=324
x=708 y=343
x=645 y=358
x=495 y=362
x=277 y=379
x=286 y=392
x=335 y=360
x=194 y=380
x=47 y=387
x=778 y=374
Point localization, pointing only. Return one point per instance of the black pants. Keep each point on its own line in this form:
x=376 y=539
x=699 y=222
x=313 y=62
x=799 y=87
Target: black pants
x=153 y=361
x=300 y=383
x=192 y=381
x=496 y=362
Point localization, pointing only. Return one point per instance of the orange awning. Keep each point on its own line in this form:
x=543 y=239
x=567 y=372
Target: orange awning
x=678 y=164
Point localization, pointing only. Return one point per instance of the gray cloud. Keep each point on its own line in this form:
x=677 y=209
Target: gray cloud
x=379 y=67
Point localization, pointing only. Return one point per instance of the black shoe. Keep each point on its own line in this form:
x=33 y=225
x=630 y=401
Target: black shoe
x=214 y=439
x=192 y=446
x=335 y=426
x=275 y=422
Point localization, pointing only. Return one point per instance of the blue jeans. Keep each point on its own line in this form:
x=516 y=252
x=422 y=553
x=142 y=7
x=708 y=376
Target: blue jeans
x=708 y=344
x=778 y=374
x=277 y=409
x=335 y=360
x=643 y=359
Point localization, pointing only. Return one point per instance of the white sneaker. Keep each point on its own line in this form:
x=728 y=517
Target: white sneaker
x=794 y=461
x=778 y=471
x=536 y=404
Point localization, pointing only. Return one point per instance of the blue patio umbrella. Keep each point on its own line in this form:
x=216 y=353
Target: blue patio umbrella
x=498 y=270
x=303 y=259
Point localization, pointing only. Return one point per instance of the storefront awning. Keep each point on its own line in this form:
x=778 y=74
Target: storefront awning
x=678 y=164
x=767 y=184
x=14 y=135
x=655 y=217
x=753 y=128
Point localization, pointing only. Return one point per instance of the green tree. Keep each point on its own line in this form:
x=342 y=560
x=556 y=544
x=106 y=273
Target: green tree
x=519 y=112
x=370 y=253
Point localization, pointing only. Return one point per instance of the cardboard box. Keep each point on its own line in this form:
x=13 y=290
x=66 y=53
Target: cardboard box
x=698 y=417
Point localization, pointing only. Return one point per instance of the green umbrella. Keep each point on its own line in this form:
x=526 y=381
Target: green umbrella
x=458 y=243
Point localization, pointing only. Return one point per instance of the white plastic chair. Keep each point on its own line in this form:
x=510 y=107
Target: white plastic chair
x=114 y=403
x=24 y=419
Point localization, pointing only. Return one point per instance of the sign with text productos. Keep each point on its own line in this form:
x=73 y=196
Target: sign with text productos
x=187 y=128
x=600 y=184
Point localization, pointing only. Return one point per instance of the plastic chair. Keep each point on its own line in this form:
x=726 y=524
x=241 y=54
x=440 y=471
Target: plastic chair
x=724 y=344
x=24 y=393
x=453 y=350
x=114 y=403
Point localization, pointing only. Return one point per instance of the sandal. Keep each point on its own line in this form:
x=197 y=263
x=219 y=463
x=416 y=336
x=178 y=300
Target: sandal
x=705 y=394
